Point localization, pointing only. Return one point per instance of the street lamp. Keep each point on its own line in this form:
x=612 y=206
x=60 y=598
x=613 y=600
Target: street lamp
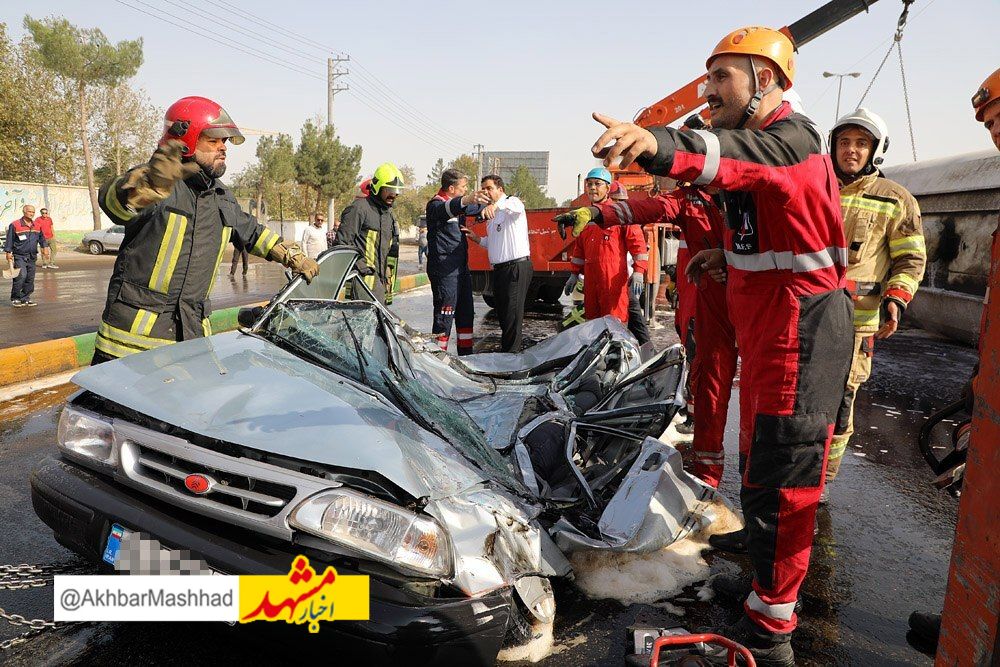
x=840 y=84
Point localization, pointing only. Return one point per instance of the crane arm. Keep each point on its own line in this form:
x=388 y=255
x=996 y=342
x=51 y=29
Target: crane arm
x=690 y=97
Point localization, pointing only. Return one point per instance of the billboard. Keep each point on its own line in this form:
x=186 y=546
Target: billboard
x=505 y=163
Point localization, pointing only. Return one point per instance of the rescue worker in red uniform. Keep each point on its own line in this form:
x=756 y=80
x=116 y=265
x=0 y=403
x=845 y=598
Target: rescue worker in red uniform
x=785 y=258
x=705 y=315
x=601 y=256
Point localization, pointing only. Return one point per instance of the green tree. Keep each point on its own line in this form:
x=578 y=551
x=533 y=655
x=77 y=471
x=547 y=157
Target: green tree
x=85 y=58
x=434 y=178
x=468 y=165
x=328 y=167
x=126 y=127
x=275 y=170
x=524 y=186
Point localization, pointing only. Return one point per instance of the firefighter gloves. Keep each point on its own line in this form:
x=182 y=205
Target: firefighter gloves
x=291 y=256
x=153 y=182
x=578 y=218
x=571 y=283
x=636 y=283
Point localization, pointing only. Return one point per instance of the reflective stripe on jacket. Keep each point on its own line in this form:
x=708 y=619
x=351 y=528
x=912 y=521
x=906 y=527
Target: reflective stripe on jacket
x=368 y=225
x=885 y=246
x=168 y=262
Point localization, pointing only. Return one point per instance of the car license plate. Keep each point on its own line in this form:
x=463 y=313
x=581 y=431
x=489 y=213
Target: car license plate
x=114 y=544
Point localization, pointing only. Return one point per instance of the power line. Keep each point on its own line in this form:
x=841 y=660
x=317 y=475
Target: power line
x=442 y=135
x=415 y=130
x=367 y=74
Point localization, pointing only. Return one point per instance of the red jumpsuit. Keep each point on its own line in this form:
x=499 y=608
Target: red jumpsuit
x=702 y=315
x=601 y=255
x=793 y=319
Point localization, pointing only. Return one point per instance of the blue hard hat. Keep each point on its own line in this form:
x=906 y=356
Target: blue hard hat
x=601 y=173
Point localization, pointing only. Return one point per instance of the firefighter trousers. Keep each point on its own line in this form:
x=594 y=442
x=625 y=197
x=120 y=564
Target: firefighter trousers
x=796 y=352
x=861 y=369
x=453 y=303
x=711 y=380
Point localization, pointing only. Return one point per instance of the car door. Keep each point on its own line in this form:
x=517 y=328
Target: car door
x=644 y=401
x=114 y=238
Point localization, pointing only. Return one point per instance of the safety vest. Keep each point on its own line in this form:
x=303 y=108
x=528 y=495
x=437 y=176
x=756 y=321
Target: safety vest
x=885 y=246
x=168 y=262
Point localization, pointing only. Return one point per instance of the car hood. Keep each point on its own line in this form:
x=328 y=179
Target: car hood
x=241 y=389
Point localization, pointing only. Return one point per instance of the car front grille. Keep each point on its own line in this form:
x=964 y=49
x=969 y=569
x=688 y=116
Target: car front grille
x=243 y=491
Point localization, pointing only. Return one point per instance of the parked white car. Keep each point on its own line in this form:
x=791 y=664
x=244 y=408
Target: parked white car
x=102 y=240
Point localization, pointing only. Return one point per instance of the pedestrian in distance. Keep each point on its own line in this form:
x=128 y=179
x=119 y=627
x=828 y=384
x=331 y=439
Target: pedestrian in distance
x=509 y=251
x=24 y=238
x=314 y=237
x=448 y=258
x=44 y=222
x=178 y=218
x=421 y=241
x=784 y=258
x=240 y=253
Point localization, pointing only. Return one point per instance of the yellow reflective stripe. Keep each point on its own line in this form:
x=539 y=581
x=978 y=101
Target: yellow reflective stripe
x=865 y=204
x=265 y=241
x=115 y=206
x=909 y=283
x=865 y=318
x=371 y=245
x=206 y=327
x=113 y=348
x=906 y=246
x=226 y=233
x=134 y=340
x=170 y=250
x=143 y=322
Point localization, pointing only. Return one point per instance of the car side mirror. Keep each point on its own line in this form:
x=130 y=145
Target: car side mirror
x=248 y=316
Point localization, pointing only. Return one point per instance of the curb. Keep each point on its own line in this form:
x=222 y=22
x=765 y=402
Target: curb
x=34 y=361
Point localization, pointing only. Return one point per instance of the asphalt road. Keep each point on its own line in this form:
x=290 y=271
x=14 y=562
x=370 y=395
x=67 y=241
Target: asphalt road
x=70 y=299
x=882 y=549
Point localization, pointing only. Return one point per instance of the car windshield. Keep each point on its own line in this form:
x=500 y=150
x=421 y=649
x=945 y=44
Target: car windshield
x=349 y=338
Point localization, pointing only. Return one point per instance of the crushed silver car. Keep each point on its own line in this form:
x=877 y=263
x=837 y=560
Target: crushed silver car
x=330 y=427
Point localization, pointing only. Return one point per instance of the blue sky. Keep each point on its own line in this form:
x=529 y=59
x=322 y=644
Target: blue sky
x=526 y=76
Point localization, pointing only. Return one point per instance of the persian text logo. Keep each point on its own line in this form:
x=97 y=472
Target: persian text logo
x=304 y=596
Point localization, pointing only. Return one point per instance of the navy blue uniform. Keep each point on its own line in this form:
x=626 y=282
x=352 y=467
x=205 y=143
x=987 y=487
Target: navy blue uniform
x=448 y=270
x=23 y=241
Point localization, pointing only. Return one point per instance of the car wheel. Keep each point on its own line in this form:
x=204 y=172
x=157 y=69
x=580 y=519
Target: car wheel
x=95 y=247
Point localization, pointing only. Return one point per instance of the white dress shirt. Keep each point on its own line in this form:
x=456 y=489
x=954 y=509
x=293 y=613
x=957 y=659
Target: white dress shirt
x=313 y=241
x=507 y=233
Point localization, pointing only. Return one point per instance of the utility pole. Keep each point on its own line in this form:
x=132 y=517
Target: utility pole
x=479 y=163
x=840 y=85
x=333 y=72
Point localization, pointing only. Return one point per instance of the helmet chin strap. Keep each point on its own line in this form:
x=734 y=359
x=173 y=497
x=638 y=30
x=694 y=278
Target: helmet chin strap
x=758 y=95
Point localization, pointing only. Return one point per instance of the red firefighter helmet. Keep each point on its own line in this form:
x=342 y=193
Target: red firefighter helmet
x=190 y=117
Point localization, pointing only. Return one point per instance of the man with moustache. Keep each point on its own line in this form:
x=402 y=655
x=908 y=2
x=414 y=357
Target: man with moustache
x=178 y=220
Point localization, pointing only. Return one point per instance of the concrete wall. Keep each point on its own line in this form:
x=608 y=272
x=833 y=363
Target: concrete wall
x=68 y=205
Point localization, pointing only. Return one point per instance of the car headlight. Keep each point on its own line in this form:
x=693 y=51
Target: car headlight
x=382 y=530
x=86 y=435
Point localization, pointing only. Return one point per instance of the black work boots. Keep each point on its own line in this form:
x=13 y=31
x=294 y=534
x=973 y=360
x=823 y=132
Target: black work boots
x=768 y=650
x=733 y=543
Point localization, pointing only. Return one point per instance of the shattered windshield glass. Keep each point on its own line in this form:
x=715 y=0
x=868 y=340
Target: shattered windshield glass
x=347 y=338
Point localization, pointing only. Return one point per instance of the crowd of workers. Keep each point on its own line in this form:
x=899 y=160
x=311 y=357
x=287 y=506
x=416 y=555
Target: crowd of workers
x=25 y=237
x=795 y=261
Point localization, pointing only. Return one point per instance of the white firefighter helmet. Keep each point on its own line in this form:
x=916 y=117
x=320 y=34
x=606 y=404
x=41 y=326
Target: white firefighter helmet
x=873 y=123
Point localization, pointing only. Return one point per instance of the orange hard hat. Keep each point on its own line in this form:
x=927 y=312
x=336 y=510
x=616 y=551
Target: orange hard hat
x=755 y=40
x=988 y=93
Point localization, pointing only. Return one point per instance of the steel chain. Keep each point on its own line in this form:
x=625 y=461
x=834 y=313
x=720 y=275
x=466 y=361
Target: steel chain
x=897 y=38
x=906 y=100
x=24 y=576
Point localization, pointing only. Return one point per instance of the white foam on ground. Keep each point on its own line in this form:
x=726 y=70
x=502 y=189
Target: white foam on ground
x=535 y=649
x=647 y=578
